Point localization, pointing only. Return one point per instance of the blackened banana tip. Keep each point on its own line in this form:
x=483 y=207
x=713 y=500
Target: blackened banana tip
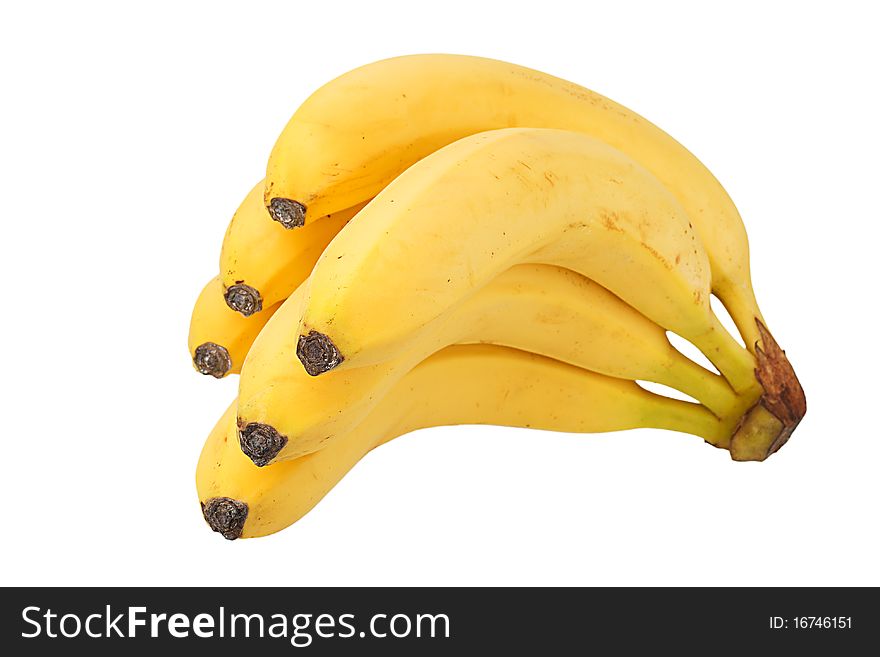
x=243 y=299
x=225 y=516
x=287 y=212
x=212 y=359
x=260 y=442
x=317 y=353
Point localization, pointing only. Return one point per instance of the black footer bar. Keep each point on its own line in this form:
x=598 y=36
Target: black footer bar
x=421 y=621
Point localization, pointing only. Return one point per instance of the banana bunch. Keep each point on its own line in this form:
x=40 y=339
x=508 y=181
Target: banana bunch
x=446 y=240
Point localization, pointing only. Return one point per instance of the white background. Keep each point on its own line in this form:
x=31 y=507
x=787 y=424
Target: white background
x=129 y=136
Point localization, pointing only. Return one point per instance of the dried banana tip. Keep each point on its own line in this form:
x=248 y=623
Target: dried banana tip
x=287 y=212
x=260 y=442
x=225 y=516
x=317 y=353
x=212 y=359
x=243 y=299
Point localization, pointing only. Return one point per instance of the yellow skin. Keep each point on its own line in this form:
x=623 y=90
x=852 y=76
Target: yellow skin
x=219 y=338
x=473 y=384
x=357 y=133
x=261 y=254
x=464 y=214
x=537 y=308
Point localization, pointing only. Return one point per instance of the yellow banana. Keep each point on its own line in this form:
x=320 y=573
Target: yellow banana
x=261 y=263
x=357 y=133
x=219 y=338
x=462 y=215
x=474 y=384
x=285 y=413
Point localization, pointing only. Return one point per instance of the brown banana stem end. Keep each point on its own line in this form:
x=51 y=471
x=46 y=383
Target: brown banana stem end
x=225 y=516
x=768 y=425
x=260 y=442
x=212 y=359
x=287 y=212
x=317 y=353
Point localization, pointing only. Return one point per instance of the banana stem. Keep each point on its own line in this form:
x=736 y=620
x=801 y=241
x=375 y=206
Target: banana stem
x=734 y=362
x=685 y=417
x=742 y=305
x=706 y=387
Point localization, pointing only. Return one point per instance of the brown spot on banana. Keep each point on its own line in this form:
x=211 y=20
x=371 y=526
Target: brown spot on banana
x=656 y=254
x=610 y=221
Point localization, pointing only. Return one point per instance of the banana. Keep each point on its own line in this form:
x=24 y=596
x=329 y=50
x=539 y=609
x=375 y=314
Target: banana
x=464 y=214
x=261 y=263
x=357 y=133
x=219 y=338
x=284 y=412
x=471 y=384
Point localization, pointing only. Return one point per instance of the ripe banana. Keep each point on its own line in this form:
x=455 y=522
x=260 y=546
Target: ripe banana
x=261 y=263
x=464 y=214
x=284 y=413
x=219 y=338
x=357 y=133
x=473 y=384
